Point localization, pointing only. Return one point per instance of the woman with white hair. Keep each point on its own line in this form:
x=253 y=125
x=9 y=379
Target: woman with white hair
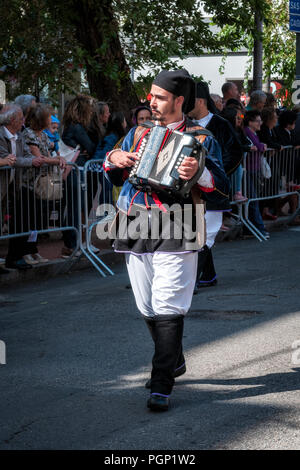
x=26 y=103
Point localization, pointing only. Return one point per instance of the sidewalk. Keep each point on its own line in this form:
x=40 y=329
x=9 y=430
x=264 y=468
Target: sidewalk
x=50 y=248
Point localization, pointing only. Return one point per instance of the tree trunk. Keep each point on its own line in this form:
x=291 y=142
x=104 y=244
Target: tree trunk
x=258 y=53
x=108 y=74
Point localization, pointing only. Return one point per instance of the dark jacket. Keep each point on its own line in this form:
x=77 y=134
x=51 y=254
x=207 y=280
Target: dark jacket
x=75 y=134
x=268 y=136
x=284 y=137
x=232 y=152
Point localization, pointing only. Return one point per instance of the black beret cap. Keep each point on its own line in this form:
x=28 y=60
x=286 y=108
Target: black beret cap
x=202 y=91
x=180 y=83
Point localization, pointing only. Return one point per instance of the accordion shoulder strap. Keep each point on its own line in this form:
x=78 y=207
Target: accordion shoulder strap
x=200 y=133
x=140 y=130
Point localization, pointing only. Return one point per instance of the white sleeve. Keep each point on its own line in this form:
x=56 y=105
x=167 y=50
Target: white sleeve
x=206 y=179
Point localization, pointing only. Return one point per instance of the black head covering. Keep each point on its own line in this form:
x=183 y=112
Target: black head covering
x=180 y=83
x=202 y=91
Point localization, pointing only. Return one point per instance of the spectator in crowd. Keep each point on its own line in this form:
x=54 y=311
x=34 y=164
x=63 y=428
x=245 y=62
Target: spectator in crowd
x=39 y=119
x=286 y=124
x=217 y=99
x=257 y=101
x=116 y=130
x=243 y=98
x=285 y=135
x=53 y=135
x=270 y=101
x=205 y=115
x=97 y=129
x=26 y=102
x=234 y=115
x=104 y=112
x=252 y=122
x=76 y=121
x=233 y=103
x=230 y=90
x=141 y=115
x=15 y=152
x=96 y=132
x=9 y=160
x=266 y=133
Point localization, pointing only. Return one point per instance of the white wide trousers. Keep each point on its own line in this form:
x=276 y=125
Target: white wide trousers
x=213 y=224
x=162 y=283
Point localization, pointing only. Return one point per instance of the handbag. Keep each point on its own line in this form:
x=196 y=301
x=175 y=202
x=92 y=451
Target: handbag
x=265 y=168
x=49 y=186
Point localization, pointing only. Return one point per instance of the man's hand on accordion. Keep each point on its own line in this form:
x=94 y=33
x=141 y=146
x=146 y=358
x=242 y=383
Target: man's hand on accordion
x=122 y=159
x=188 y=168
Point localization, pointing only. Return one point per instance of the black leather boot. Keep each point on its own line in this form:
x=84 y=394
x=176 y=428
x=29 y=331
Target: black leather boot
x=206 y=274
x=167 y=334
x=180 y=368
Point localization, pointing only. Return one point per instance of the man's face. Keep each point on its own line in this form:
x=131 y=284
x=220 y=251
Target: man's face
x=164 y=105
x=260 y=105
x=198 y=109
x=234 y=91
x=17 y=122
x=143 y=115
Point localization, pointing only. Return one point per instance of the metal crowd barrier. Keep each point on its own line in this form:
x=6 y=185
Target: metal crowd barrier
x=78 y=202
x=45 y=200
x=98 y=208
x=266 y=176
x=38 y=199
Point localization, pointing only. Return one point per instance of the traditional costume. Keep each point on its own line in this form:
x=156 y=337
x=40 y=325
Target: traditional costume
x=162 y=270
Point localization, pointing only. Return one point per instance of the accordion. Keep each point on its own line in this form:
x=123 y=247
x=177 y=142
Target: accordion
x=161 y=152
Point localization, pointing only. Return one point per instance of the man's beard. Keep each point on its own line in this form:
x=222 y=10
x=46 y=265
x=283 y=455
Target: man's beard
x=159 y=116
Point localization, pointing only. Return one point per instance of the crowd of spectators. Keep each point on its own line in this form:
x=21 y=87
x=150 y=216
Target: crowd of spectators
x=30 y=134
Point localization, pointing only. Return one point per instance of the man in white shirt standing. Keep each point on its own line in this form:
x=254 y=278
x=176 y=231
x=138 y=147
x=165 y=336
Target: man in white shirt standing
x=14 y=153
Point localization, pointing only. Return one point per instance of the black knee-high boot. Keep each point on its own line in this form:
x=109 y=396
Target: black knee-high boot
x=180 y=368
x=167 y=334
x=202 y=255
x=206 y=274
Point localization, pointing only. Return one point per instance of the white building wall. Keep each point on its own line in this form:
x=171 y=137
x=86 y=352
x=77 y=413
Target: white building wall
x=208 y=67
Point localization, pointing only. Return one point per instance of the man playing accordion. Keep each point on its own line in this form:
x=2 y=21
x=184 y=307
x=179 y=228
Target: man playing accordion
x=162 y=269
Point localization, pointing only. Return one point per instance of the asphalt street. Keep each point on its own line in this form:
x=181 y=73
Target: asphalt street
x=78 y=355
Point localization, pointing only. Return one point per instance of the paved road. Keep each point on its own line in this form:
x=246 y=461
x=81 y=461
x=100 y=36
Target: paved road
x=78 y=354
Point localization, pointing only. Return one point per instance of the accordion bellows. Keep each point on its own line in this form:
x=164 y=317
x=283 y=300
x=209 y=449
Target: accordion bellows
x=160 y=153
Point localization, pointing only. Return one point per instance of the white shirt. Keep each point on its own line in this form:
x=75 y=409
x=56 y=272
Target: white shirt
x=13 y=139
x=205 y=120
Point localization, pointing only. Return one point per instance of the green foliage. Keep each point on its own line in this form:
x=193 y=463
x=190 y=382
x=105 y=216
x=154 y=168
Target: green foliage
x=280 y=47
x=45 y=42
x=35 y=48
